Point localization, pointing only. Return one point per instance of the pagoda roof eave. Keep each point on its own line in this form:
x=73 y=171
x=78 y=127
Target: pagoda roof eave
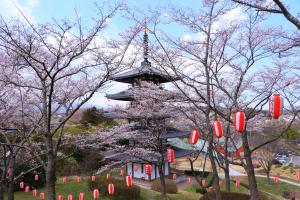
x=129 y=76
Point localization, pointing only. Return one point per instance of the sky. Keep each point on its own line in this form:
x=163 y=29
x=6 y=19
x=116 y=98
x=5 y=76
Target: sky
x=40 y=11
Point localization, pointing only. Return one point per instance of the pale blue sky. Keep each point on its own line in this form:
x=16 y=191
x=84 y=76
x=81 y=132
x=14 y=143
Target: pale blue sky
x=40 y=11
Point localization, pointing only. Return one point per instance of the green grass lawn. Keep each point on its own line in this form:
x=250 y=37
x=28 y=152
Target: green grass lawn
x=74 y=188
x=194 y=187
x=276 y=190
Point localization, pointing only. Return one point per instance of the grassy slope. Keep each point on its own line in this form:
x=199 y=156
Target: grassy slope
x=276 y=190
x=72 y=187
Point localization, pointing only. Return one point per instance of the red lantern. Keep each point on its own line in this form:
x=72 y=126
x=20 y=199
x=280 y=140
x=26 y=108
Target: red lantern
x=21 y=185
x=298 y=175
x=210 y=189
x=93 y=178
x=42 y=196
x=70 y=197
x=111 y=189
x=27 y=189
x=239 y=121
x=148 y=169
x=203 y=183
x=237 y=183
x=81 y=196
x=34 y=192
x=194 y=137
x=136 y=168
x=275 y=105
x=170 y=155
x=78 y=179
x=60 y=197
x=276 y=179
x=174 y=177
x=189 y=180
x=121 y=172
x=96 y=194
x=64 y=179
x=129 y=181
x=107 y=176
x=217 y=128
x=36 y=177
x=221 y=183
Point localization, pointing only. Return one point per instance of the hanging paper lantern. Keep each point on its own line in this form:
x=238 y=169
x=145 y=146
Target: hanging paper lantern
x=210 y=189
x=107 y=176
x=42 y=196
x=217 y=128
x=203 y=183
x=78 y=179
x=21 y=185
x=60 y=197
x=237 y=183
x=64 y=179
x=239 y=121
x=276 y=179
x=121 y=172
x=111 y=189
x=27 y=189
x=221 y=183
x=96 y=194
x=170 y=155
x=275 y=105
x=194 y=137
x=70 y=197
x=93 y=178
x=298 y=175
x=189 y=180
x=148 y=169
x=128 y=181
x=174 y=177
x=136 y=167
x=81 y=196
x=34 y=192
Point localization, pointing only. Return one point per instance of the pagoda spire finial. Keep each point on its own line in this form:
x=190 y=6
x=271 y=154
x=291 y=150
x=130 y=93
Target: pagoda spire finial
x=145 y=43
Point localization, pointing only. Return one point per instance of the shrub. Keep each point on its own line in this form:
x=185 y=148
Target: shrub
x=121 y=189
x=171 y=186
x=226 y=196
x=286 y=194
x=197 y=173
x=66 y=167
x=28 y=178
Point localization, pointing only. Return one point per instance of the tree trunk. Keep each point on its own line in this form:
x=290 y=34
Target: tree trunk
x=50 y=171
x=163 y=191
x=268 y=178
x=226 y=170
x=1 y=191
x=254 y=194
x=215 y=172
x=10 y=191
x=227 y=177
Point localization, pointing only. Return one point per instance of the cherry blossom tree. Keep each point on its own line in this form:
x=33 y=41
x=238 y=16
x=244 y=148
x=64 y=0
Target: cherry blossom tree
x=219 y=66
x=59 y=66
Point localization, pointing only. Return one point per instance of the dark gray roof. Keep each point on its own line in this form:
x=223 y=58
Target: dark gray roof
x=122 y=96
x=146 y=71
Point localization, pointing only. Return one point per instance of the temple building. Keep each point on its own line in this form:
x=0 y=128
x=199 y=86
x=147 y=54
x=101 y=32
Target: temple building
x=145 y=72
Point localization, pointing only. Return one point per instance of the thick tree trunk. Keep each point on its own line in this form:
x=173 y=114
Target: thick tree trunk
x=254 y=194
x=163 y=191
x=50 y=171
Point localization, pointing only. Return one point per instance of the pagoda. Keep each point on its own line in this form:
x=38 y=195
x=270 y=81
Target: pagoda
x=134 y=76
